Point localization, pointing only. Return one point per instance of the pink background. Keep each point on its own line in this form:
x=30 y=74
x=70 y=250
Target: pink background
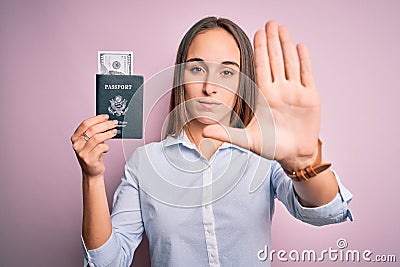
x=48 y=59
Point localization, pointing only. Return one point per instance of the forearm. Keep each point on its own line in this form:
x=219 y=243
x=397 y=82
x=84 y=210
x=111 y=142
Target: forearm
x=96 y=223
x=317 y=191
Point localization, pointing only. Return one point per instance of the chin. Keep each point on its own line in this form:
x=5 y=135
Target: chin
x=208 y=120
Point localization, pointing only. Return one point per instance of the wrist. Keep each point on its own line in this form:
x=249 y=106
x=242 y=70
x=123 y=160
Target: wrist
x=302 y=170
x=300 y=162
x=92 y=179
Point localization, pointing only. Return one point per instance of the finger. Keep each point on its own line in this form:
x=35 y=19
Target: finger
x=290 y=57
x=86 y=153
x=275 y=51
x=79 y=144
x=86 y=124
x=98 y=151
x=93 y=158
x=227 y=134
x=100 y=128
x=99 y=139
x=79 y=140
x=306 y=73
x=261 y=60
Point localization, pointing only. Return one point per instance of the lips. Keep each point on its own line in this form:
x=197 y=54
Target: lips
x=209 y=103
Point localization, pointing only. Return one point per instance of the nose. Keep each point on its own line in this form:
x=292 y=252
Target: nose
x=210 y=88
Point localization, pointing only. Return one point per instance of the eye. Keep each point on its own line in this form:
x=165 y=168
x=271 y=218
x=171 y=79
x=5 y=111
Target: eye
x=196 y=69
x=227 y=73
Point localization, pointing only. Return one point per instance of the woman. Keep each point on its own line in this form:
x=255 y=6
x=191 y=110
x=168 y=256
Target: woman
x=220 y=138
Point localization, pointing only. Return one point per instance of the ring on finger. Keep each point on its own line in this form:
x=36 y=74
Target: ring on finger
x=85 y=136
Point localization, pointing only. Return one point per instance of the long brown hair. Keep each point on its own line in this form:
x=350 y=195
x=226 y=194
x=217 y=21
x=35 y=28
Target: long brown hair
x=242 y=111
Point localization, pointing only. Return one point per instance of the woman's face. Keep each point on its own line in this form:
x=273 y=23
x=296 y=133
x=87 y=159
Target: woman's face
x=211 y=76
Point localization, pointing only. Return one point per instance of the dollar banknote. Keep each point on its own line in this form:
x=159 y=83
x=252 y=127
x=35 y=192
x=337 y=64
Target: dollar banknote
x=115 y=62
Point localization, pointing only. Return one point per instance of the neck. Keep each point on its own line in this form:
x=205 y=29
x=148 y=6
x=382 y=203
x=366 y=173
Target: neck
x=206 y=146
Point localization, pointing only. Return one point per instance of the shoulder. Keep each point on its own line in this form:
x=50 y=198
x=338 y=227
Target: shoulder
x=137 y=160
x=152 y=150
x=149 y=149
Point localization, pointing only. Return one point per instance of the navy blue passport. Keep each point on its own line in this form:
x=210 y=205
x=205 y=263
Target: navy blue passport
x=121 y=97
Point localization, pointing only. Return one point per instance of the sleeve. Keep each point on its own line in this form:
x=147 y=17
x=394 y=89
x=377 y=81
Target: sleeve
x=127 y=224
x=335 y=211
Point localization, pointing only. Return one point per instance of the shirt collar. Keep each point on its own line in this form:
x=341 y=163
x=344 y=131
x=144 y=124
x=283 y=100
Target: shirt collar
x=183 y=139
x=180 y=139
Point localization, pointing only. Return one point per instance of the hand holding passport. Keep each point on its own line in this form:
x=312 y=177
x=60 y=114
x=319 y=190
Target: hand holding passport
x=119 y=93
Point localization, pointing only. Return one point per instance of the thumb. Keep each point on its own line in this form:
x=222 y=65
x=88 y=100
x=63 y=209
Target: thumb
x=228 y=134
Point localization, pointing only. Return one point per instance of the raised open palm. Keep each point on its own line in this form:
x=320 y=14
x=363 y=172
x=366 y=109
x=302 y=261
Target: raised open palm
x=284 y=78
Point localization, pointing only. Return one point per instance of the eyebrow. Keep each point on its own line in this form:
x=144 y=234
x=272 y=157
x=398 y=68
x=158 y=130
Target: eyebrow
x=224 y=62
